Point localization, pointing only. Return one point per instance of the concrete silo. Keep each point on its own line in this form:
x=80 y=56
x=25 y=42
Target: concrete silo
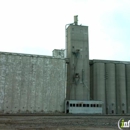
x=99 y=83
x=128 y=87
x=110 y=89
x=121 y=88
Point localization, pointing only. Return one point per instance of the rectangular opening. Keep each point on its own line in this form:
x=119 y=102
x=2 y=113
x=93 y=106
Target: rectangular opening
x=107 y=110
x=67 y=111
x=80 y=105
x=70 y=105
x=87 y=105
x=73 y=105
x=84 y=105
x=77 y=105
x=112 y=111
x=97 y=105
x=123 y=112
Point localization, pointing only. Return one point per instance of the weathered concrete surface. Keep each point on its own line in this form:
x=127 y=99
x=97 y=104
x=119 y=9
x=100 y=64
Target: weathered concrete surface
x=78 y=87
x=31 y=83
x=58 y=53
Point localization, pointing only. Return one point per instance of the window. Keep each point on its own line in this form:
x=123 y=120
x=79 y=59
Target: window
x=84 y=105
x=70 y=105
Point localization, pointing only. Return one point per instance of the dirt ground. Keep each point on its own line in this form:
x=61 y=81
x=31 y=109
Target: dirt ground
x=59 y=122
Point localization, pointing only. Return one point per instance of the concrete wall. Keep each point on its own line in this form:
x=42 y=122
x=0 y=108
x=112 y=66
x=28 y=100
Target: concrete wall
x=31 y=83
x=78 y=87
x=88 y=107
x=58 y=53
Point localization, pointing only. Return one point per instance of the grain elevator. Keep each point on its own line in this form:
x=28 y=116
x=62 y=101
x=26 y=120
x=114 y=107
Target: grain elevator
x=78 y=74
x=66 y=82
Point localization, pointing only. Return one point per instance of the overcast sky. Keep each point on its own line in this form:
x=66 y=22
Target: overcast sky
x=38 y=26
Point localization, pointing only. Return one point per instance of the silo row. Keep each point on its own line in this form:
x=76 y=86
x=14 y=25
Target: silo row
x=111 y=84
x=128 y=87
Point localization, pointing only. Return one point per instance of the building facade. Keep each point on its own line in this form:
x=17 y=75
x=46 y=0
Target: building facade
x=42 y=84
x=31 y=83
x=78 y=87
